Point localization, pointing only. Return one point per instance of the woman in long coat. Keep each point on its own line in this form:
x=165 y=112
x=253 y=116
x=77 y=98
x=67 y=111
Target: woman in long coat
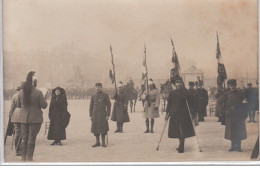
x=119 y=112
x=57 y=110
x=180 y=124
x=151 y=105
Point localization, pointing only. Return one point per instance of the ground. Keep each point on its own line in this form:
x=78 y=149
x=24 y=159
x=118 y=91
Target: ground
x=133 y=145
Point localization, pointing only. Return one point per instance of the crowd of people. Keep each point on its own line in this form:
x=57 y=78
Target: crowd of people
x=185 y=109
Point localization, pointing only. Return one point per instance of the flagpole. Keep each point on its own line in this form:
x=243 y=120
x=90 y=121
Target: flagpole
x=114 y=74
x=146 y=68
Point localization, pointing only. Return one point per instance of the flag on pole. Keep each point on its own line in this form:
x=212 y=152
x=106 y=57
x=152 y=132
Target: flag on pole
x=175 y=71
x=112 y=76
x=222 y=75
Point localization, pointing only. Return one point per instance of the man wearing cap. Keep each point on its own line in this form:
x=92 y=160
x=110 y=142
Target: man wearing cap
x=193 y=103
x=251 y=96
x=99 y=111
x=151 y=105
x=180 y=124
x=119 y=112
x=202 y=100
x=234 y=100
x=14 y=115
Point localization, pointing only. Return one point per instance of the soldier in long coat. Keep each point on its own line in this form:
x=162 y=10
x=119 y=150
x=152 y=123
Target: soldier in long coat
x=251 y=96
x=119 y=112
x=99 y=111
x=180 y=124
x=31 y=101
x=151 y=105
x=235 y=130
x=203 y=101
x=14 y=115
x=57 y=110
x=193 y=103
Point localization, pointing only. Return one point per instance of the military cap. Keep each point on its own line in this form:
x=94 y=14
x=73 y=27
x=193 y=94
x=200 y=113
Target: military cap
x=232 y=82
x=249 y=84
x=98 y=84
x=191 y=83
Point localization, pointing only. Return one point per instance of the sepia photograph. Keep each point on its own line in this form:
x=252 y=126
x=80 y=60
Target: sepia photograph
x=130 y=82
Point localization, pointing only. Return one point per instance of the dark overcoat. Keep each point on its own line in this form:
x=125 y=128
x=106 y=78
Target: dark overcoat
x=119 y=112
x=57 y=110
x=251 y=96
x=202 y=101
x=100 y=107
x=179 y=114
x=236 y=113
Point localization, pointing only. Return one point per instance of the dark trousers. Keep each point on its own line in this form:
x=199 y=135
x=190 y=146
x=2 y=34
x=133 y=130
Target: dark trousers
x=17 y=136
x=29 y=132
x=251 y=114
x=236 y=144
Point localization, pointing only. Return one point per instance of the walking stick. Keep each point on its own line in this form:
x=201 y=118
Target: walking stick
x=193 y=126
x=13 y=140
x=157 y=148
x=107 y=138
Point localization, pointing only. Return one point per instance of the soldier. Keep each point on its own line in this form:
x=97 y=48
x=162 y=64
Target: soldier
x=193 y=103
x=99 y=111
x=119 y=112
x=31 y=101
x=235 y=130
x=15 y=117
x=180 y=124
x=203 y=101
x=251 y=96
x=151 y=105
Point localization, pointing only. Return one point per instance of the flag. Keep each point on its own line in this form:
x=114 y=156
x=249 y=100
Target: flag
x=222 y=75
x=175 y=71
x=112 y=76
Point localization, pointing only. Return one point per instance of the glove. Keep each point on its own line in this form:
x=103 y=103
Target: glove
x=156 y=108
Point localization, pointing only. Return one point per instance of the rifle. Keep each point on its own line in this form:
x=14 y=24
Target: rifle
x=149 y=104
x=114 y=74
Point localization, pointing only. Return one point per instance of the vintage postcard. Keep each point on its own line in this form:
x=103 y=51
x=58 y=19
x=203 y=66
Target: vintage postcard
x=163 y=82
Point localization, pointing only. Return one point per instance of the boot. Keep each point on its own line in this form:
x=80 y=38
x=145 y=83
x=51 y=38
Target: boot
x=121 y=128
x=118 y=127
x=97 y=142
x=147 y=125
x=103 y=140
x=232 y=146
x=152 y=123
x=181 y=145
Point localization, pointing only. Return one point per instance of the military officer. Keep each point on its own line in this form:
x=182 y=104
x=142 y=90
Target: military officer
x=99 y=111
x=193 y=103
x=180 y=124
x=203 y=101
x=119 y=112
x=234 y=100
x=251 y=96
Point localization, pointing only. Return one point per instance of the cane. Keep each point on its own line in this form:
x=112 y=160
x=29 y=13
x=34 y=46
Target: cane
x=157 y=148
x=193 y=126
x=13 y=140
x=107 y=139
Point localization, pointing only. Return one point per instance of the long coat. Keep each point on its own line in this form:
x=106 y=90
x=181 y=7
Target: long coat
x=15 y=112
x=99 y=108
x=119 y=112
x=180 y=120
x=57 y=110
x=193 y=105
x=236 y=115
x=251 y=96
x=33 y=112
x=154 y=99
x=203 y=101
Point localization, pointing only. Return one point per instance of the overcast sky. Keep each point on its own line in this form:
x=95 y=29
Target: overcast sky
x=90 y=26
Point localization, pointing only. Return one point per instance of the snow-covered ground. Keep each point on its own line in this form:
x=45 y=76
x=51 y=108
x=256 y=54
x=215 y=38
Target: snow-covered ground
x=133 y=145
